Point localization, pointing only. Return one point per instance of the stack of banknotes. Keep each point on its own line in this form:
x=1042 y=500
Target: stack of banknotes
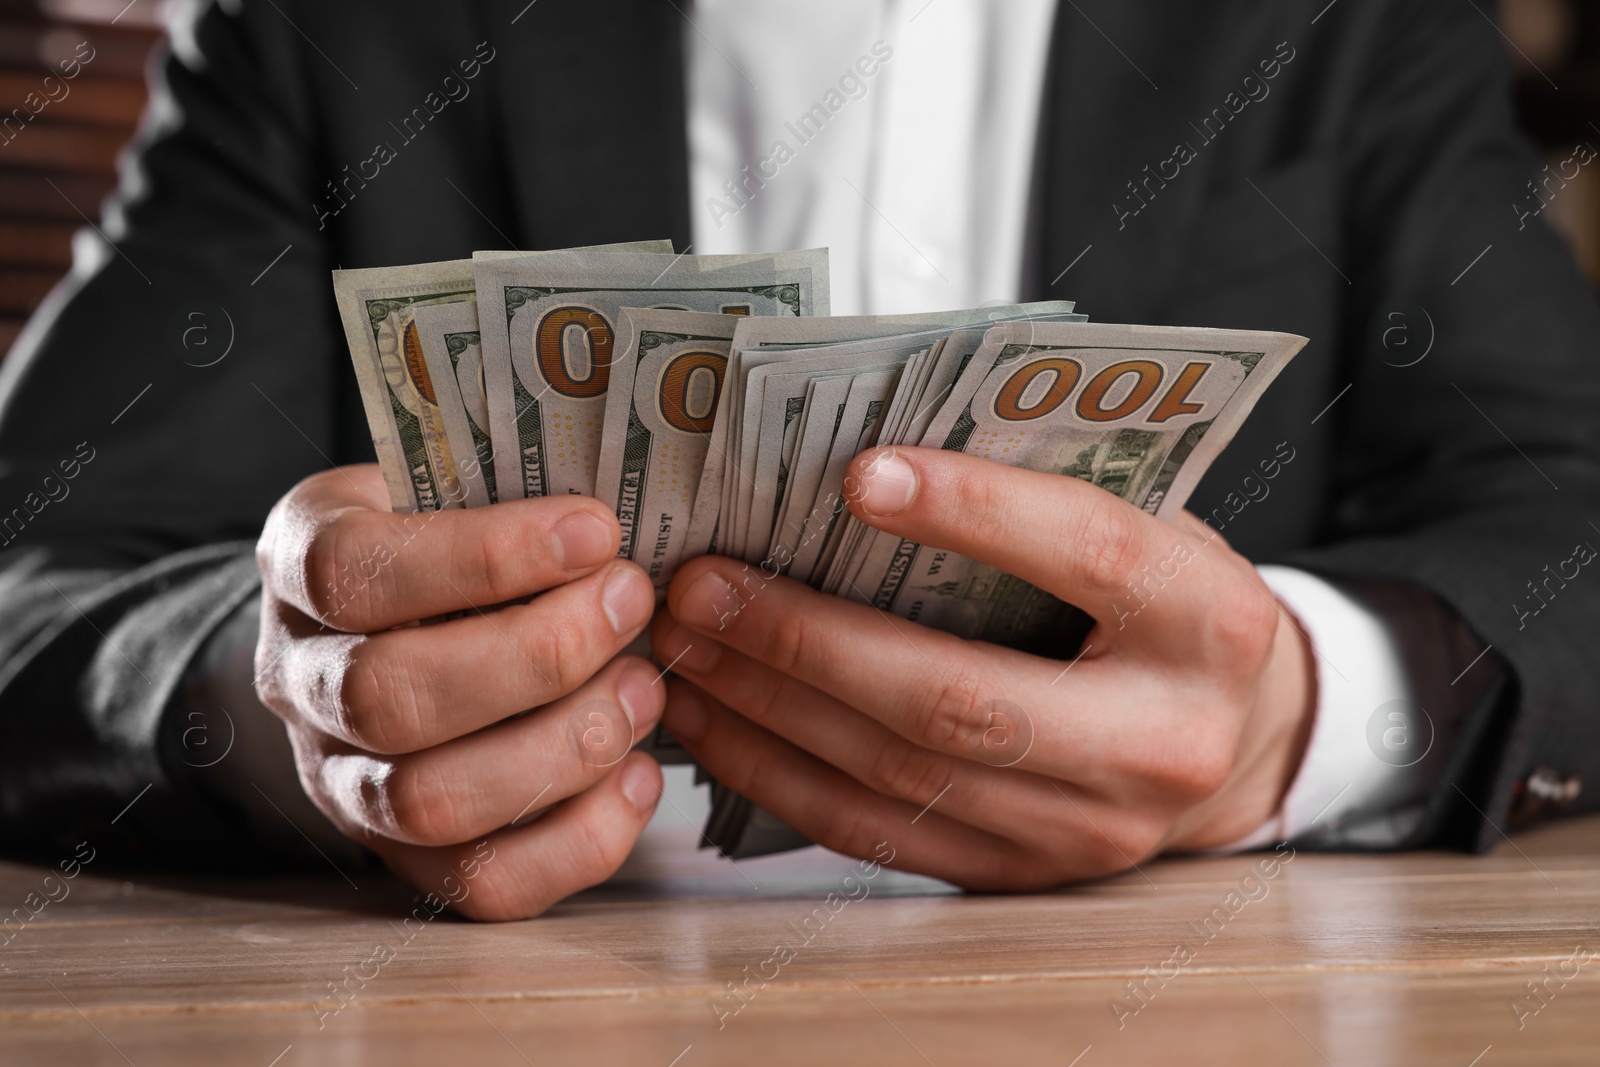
x=714 y=405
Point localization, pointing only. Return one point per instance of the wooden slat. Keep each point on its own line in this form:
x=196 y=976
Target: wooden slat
x=32 y=44
x=56 y=165
x=22 y=290
x=61 y=147
x=86 y=98
x=36 y=244
x=41 y=196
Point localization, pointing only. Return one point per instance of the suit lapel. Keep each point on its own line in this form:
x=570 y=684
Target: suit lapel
x=1096 y=206
x=595 y=143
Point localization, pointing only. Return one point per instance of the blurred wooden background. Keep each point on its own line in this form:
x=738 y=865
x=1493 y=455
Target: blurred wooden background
x=56 y=167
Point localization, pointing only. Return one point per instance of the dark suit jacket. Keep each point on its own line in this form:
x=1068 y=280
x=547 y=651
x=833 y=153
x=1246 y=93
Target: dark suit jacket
x=1376 y=172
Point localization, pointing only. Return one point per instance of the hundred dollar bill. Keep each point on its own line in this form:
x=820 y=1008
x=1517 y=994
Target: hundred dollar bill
x=855 y=430
x=659 y=406
x=804 y=521
x=1141 y=411
x=662 y=247
x=717 y=499
x=377 y=307
x=914 y=406
x=771 y=414
x=548 y=323
x=797 y=518
x=450 y=346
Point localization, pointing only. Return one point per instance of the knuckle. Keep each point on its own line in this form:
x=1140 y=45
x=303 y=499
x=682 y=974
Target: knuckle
x=270 y=684
x=374 y=705
x=765 y=704
x=267 y=546
x=1141 y=839
x=908 y=772
x=761 y=704
x=561 y=655
x=419 y=804
x=952 y=720
x=333 y=591
x=849 y=831
x=488 y=564
x=1108 y=546
x=995 y=510
x=787 y=642
x=1198 y=767
x=1210 y=765
x=270 y=690
x=276 y=531
x=601 y=847
x=1243 y=635
x=983 y=504
x=274 y=696
x=1102 y=853
x=1118 y=839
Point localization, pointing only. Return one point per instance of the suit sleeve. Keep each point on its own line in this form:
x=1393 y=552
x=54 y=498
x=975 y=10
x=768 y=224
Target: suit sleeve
x=173 y=386
x=1472 y=473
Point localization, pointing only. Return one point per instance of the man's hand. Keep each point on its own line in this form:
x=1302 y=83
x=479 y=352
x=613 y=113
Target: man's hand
x=409 y=738
x=1179 y=726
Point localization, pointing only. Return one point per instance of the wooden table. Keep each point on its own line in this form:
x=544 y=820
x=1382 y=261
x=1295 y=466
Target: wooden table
x=1348 y=959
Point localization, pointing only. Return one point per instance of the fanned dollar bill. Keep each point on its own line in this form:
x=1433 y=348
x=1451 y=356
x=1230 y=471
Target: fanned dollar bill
x=772 y=413
x=663 y=395
x=714 y=525
x=1140 y=411
x=855 y=426
x=451 y=349
x=548 y=323
x=377 y=306
x=800 y=523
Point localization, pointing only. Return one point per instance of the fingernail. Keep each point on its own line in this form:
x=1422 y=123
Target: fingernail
x=581 y=541
x=887 y=485
x=628 y=599
x=686 y=717
x=710 y=602
x=639 y=786
x=641 y=696
x=682 y=650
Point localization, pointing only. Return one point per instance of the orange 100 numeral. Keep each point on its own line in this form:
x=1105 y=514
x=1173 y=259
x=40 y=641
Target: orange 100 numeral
x=566 y=326
x=690 y=385
x=1015 y=404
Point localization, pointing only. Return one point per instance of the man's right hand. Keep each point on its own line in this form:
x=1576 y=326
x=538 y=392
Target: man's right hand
x=409 y=738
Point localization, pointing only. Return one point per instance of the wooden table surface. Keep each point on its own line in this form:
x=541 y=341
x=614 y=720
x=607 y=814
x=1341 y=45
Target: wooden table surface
x=1419 y=958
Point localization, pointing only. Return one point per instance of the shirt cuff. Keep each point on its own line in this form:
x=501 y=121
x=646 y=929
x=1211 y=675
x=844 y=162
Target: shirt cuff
x=1360 y=784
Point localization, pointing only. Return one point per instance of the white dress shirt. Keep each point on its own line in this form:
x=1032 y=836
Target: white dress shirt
x=900 y=134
